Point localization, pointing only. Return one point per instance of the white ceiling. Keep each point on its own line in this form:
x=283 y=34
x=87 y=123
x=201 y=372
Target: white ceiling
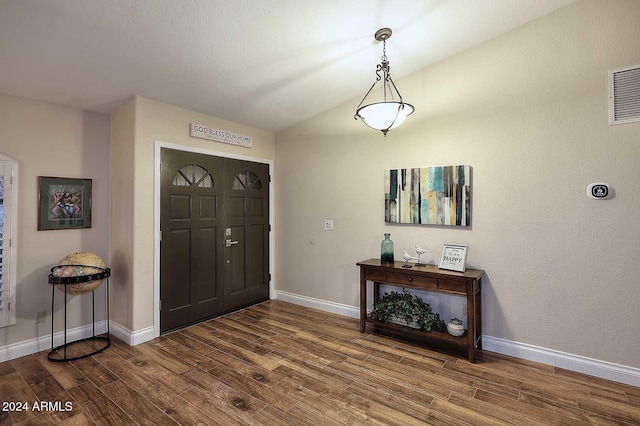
x=264 y=63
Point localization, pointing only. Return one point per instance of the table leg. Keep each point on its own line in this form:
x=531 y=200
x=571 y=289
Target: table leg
x=363 y=301
x=471 y=321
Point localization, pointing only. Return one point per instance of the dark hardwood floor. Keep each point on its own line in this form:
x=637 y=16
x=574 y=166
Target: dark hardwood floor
x=282 y=364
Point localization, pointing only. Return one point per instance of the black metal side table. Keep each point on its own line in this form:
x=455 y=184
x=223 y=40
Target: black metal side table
x=54 y=280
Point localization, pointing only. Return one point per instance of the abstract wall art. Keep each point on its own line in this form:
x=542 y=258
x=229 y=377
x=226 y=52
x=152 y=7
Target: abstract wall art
x=428 y=196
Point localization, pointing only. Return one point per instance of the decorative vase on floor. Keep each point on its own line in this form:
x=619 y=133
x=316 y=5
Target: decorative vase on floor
x=386 y=249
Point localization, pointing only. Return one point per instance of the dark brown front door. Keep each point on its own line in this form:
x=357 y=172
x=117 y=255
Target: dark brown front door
x=214 y=236
x=246 y=217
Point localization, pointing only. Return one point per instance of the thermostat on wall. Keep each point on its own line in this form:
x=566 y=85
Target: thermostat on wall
x=598 y=190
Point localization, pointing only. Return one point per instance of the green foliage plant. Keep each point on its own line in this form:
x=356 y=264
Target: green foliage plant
x=411 y=308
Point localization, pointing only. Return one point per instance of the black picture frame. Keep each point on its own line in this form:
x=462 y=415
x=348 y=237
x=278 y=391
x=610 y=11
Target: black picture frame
x=63 y=203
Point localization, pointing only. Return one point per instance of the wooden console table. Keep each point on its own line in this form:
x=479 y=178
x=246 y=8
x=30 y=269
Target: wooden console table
x=427 y=278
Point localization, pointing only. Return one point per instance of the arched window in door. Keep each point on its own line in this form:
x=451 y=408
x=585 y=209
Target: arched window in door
x=193 y=175
x=247 y=181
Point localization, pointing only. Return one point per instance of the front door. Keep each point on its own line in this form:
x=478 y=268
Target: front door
x=214 y=220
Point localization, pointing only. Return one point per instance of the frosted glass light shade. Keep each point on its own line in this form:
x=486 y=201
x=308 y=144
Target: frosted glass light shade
x=384 y=116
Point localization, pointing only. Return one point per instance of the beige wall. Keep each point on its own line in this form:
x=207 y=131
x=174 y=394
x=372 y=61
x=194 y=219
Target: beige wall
x=122 y=235
x=50 y=140
x=528 y=112
x=156 y=121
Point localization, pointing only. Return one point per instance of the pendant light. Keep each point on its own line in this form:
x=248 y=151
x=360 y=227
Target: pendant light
x=390 y=112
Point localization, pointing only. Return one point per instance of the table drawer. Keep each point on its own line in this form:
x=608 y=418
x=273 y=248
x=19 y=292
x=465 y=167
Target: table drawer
x=412 y=280
x=452 y=285
x=374 y=275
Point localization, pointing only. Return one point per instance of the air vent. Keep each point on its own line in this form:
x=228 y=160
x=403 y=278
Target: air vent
x=624 y=95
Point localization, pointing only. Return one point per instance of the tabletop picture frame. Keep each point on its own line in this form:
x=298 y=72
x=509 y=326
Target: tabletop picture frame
x=453 y=257
x=63 y=203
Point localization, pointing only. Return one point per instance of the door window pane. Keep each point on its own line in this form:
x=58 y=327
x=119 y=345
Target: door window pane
x=247 y=181
x=193 y=175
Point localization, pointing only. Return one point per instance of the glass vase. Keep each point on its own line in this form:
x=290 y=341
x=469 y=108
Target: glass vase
x=386 y=249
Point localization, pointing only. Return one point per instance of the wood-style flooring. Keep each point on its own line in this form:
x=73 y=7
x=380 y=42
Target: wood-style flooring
x=281 y=364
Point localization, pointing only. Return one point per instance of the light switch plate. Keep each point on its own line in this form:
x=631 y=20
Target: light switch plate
x=328 y=225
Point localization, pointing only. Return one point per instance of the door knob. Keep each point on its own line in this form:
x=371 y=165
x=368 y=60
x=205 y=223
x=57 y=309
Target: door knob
x=229 y=242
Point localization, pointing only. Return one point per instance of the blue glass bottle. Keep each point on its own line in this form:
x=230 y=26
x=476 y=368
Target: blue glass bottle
x=386 y=249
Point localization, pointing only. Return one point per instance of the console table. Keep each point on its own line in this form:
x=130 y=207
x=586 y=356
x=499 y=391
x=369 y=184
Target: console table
x=427 y=278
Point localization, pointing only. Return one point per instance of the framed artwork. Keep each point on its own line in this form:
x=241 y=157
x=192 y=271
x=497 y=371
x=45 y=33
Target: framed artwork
x=428 y=195
x=63 y=203
x=453 y=257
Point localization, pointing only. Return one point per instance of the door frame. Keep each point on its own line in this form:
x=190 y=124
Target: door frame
x=156 y=217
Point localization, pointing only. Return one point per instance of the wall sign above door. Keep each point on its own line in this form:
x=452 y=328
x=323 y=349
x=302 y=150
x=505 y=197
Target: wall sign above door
x=204 y=132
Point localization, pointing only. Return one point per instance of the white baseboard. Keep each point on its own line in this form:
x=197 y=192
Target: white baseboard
x=323 y=305
x=32 y=346
x=577 y=363
x=129 y=337
x=594 y=367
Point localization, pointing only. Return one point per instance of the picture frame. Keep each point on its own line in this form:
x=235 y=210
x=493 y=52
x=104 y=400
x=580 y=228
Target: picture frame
x=63 y=203
x=453 y=257
x=437 y=195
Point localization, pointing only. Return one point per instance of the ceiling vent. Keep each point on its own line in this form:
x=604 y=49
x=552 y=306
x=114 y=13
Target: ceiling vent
x=624 y=95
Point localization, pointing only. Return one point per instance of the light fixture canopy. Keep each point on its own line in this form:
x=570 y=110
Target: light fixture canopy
x=390 y=112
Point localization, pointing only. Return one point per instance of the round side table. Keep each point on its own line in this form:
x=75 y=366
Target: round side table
x=56 y=281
